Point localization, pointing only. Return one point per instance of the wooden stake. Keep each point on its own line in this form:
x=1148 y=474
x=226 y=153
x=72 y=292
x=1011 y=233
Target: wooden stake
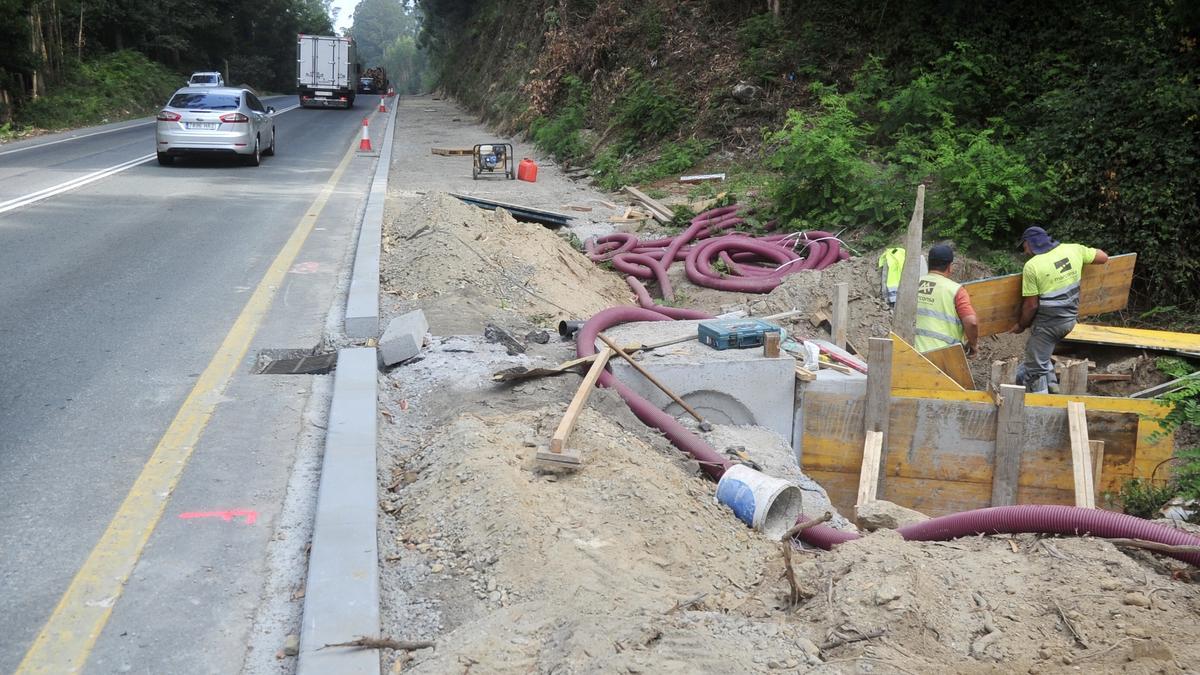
x=559 y=439
x=879 y=393
x=904 y=321
x=1097 y=451
x=1081 y=455
x=704 y=425
x=841 y=312
x=1010 y=438
x=868 y=477
x=1073 y=378
x=771 y=345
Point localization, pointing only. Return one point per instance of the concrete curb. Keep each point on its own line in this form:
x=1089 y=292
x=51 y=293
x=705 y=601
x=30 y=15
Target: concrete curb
x=341 y=601
x=362 y=300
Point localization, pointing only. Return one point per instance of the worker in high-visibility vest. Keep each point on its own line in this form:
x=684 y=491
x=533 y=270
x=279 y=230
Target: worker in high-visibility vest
x=945 y=316
x=1050 y=288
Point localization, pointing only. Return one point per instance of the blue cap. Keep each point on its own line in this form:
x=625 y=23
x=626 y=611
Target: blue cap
x=1038 y=240
x=940 y=255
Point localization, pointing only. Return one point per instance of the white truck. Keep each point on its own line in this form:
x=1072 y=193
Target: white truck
x=326 y=71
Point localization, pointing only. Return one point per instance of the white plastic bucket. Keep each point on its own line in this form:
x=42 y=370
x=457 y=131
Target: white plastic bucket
x=767 y=504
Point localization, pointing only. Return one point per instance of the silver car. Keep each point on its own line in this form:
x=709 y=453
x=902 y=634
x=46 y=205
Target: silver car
x=215 y=120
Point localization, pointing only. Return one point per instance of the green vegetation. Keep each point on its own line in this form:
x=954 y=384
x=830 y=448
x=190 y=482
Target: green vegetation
x=559 y=135
x=1144 y=497
x=385 y=33
x=52 y=52
x=116 y=86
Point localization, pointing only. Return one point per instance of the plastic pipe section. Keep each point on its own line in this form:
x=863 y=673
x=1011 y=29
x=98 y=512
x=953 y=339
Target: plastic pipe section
x=1035 y=519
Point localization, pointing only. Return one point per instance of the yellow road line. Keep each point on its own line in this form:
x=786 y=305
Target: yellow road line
x=65 y=642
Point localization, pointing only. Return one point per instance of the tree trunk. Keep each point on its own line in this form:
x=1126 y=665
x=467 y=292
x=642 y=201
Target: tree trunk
x=79 y=39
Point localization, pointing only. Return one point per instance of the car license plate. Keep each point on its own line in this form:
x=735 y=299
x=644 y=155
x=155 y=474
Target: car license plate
x=202 y=125
x=324 y=94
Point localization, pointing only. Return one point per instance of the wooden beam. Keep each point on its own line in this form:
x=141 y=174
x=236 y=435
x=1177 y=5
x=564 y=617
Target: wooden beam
x=1187 y=344
x=952 y=361
x=904 y=320
x=659 y=211
x=1081 y=455
x=911 y=370
x=879 y=391
x=559 y=439
x=868 y=477
x=1010 y=441
x=841 y=313
x=1104 y=288
x=771 y=345
x=804 y=374
x=1097 y=451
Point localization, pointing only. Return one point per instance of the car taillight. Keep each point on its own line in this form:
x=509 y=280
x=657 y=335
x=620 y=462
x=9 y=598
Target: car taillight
x=168 y=116
x=234 y=118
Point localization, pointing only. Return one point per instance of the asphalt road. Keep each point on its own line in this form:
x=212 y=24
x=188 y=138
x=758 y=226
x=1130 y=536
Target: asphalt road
x=114 y=297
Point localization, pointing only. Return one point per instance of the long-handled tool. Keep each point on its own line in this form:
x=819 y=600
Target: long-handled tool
x=704 y=424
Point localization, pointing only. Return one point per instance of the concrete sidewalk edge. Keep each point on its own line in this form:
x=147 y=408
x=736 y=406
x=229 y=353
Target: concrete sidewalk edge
x=362 y=300
x=341 y=601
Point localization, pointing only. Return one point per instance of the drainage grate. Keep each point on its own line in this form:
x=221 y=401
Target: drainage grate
x=295 y=362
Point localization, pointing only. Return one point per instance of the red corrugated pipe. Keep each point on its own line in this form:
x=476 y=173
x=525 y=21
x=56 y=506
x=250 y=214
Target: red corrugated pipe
x=1034 y=519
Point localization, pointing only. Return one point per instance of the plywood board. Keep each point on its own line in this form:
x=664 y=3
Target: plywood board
x=1161 y=340
x=940 y=453
x=952 y=361
x=911 y=370
x=1105 y=288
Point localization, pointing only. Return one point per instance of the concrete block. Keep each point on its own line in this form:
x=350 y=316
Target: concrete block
x=403 y=338
x=731 y=386
x=341 y=601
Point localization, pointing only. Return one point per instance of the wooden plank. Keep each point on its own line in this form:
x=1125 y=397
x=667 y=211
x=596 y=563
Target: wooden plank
x=1010 y=440
x=879 y=391
x=868 y=477
x=1073 y=377
x=1104 y=288
x=841 y=313
x=1081 y=455
x=952 y=361
x=1097 y=452
x=452 y=152
x=660 y=212
x=904 y=318
x=567 y=424
x=1159 y=340
x=804 y=374
x=1109 y=377
x=700 y=178
x=911 y=370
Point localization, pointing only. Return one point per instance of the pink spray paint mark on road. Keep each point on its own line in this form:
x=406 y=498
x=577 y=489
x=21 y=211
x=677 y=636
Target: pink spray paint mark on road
x=306 y=268
x=227 y=516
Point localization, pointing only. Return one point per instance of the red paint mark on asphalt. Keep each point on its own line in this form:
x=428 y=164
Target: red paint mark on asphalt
x=226 y=516
x=306 y=268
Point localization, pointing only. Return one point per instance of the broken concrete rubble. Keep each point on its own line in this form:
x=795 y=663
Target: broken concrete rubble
x=403 y=339
x=881 y=514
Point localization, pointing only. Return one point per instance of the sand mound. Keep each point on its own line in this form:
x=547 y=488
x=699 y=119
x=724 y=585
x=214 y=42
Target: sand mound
x=466 y=266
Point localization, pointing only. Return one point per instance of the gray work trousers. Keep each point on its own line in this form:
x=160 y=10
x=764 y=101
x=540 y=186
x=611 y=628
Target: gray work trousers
x=1037 y=372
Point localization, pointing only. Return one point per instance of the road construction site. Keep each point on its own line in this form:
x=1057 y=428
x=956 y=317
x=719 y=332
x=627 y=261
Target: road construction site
x=569 y=479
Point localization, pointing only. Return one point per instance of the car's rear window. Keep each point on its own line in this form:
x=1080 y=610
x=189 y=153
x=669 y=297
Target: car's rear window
x=202 y=101
x=203 y=79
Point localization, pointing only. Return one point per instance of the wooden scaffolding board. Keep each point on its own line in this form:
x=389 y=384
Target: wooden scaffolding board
x=1187 y=344
x=1105 y=288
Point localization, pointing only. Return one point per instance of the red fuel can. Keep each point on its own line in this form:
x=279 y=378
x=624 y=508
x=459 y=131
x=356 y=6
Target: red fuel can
x=527 y=170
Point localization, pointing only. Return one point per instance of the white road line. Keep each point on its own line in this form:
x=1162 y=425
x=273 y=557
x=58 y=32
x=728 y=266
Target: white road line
x=75 y=138
x=67 y=186
x=280 y=112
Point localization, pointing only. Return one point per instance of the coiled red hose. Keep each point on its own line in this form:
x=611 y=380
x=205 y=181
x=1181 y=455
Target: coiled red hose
x=752 y=264
x=1043 y=519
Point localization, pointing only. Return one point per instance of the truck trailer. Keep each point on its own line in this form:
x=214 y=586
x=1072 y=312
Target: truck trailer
x=327 y=71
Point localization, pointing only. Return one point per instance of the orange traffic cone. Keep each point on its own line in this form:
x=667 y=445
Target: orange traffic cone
x=365 y=144
x=382 y=108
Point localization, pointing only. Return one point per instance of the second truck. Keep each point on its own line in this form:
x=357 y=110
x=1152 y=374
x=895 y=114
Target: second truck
x=327 y=71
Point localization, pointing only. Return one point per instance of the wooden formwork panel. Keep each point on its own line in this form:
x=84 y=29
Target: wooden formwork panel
x=940 y=452
x=1104 y=288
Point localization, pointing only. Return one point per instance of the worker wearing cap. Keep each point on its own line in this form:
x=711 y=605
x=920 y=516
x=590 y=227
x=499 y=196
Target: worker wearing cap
x=944 y=313
x=1050 y=288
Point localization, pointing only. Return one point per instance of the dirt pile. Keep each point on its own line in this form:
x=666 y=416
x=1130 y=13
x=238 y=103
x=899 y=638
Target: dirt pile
x=625 y=565
x=997 y=604
x=465 y=267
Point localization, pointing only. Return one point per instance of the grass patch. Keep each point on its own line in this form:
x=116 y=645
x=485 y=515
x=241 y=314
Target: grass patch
x=118 y=86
